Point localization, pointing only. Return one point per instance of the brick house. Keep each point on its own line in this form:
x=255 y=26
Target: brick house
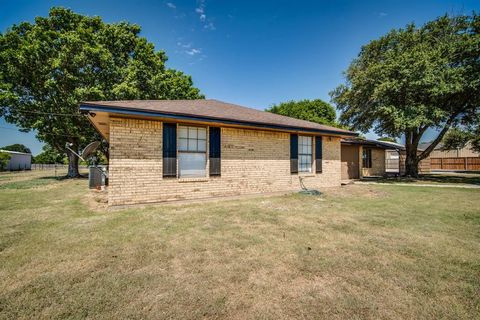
x=166 y=150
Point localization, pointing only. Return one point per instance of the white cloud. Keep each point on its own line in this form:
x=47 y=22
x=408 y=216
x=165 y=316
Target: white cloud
x=201 y=10
x=184 y=45
x=382 y=14
x=188 y=48
x=209 y=26
x=202 y=15
x=193 y=51
x=171 y=5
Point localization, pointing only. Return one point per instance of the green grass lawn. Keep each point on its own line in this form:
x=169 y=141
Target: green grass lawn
x=356 y=252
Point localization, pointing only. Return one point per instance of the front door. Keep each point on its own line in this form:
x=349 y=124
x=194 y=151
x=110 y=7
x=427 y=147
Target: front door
x=350 y=162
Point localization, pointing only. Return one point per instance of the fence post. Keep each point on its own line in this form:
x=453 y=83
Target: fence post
x=465 y=163
x=441 y=163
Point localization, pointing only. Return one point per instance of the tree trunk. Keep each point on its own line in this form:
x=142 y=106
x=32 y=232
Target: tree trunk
x=411 y=166
x=411 y=159
x=412 y=139
x=72 y=165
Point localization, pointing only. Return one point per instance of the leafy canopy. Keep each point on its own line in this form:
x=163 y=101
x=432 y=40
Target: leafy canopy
x=311 y=110
x=415 y=79
x=387 y=139
x=17 y=147
x=458 y=138
x=50 y=156
x=48 y=67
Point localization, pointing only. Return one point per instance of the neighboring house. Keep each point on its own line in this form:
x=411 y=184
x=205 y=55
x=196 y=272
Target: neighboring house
x=18 y=160
x=459 y=159
x=372 y=158
x=163 y=150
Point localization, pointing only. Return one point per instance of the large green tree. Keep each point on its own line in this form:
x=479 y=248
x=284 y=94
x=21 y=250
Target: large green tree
x=18 y=147
x=49 y=155
x=49 y=66
x=415 y=79
x=311 y=110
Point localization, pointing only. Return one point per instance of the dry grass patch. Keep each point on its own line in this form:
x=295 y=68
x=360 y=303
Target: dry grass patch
x=360 y=252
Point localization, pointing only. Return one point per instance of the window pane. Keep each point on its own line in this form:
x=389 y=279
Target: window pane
x=182 y=132
x=192 y=145
x=182 y=144
x=202 y=133
x=192 y=133
x=304 y=145
x=305 y=163
x=308 y=165
x=202 y=145
x=302 y=160
x=192 y=164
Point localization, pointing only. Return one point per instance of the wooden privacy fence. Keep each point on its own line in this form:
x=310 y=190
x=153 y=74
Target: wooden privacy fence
x=464 y=163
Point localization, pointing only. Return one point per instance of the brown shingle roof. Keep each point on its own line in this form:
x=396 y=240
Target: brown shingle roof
x=211 y=109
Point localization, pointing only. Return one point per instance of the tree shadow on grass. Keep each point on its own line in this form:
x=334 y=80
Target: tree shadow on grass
x=460 y=178
x=63 y=177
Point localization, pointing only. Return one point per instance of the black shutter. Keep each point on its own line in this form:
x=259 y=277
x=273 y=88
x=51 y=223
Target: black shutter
x=318 y=154
x=169 y=150
x=214 y=151
x=293 y=153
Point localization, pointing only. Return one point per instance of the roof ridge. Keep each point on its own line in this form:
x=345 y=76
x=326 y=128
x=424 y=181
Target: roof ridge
x=214 y=109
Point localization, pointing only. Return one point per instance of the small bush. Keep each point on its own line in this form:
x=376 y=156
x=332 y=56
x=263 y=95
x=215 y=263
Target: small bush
x=4 y=158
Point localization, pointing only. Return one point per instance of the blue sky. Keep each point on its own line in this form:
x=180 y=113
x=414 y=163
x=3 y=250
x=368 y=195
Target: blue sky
x=254 y=53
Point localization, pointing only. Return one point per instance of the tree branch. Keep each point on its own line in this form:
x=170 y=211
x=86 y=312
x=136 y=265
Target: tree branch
x=434 y=143
x=439 y=138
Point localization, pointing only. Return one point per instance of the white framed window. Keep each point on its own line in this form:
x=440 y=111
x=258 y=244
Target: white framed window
x=304 y=154
x=192 y=151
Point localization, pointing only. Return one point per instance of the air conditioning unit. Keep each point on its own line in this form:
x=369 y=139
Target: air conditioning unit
x=97 y=177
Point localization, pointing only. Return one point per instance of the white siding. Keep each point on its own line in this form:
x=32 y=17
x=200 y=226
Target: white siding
x=19 y=161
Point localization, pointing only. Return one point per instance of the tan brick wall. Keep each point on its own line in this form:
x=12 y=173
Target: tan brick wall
x=378 y=164
x=253 y=161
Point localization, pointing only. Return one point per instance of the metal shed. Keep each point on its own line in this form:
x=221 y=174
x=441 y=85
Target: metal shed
x=19 y=161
